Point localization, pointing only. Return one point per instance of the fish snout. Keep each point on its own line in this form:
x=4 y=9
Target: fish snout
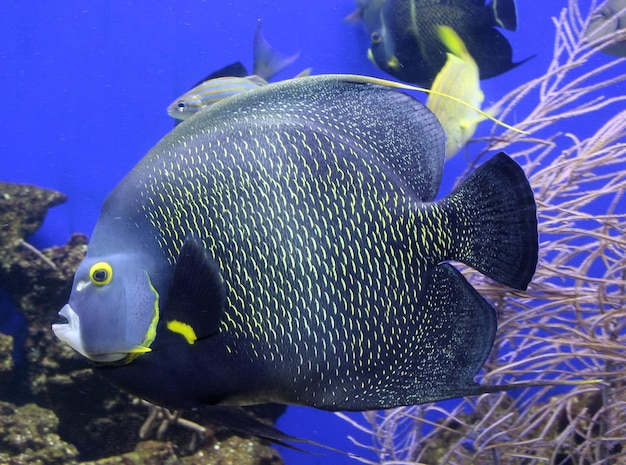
x=70 y=332
x=177 y=109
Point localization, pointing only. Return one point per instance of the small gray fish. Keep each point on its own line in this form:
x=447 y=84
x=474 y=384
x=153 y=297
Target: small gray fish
x=211 y=91
x=605 y=23
x=217 y=86
x=284 y=246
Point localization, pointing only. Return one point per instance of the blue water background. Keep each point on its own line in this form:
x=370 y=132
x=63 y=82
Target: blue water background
x=84 y=87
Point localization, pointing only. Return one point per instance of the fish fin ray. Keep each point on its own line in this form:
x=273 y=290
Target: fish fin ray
x=400 y=85
x=241 y=420
x=495 y=388
x=468 y=327
x=197 y=296
x=304 y=73
x=496 y=218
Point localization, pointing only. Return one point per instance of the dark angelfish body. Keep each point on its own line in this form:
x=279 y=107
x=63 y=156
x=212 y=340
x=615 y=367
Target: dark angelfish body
x=407 y=44
x=284 y=246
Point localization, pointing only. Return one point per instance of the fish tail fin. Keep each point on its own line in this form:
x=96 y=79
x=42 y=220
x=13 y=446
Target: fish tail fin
x=504 y=14
x=494 y=215
x=267 y=61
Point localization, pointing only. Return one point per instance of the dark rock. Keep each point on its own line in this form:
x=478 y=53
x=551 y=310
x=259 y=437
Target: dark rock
x=6 y=358
x=28 y=435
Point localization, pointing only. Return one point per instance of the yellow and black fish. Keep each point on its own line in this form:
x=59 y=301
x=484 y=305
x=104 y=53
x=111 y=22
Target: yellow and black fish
x=459 y=79
x=284 y=246
x=405 y=41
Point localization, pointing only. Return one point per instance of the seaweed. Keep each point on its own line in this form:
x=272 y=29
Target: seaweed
x=571 y=322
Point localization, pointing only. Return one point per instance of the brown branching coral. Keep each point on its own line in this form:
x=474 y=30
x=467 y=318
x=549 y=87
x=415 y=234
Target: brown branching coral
x=37 y=280
x=571 y=322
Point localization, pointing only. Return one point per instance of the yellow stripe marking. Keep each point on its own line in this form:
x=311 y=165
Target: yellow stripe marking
x=183 y=329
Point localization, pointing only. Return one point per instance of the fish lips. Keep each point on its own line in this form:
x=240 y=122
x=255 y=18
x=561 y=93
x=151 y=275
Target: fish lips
x=70 y=334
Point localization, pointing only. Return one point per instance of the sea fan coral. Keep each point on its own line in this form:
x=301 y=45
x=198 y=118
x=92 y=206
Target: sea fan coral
x=571 y=322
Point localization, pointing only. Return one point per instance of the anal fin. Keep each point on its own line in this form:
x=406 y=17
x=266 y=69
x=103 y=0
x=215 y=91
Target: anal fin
x=464 y=333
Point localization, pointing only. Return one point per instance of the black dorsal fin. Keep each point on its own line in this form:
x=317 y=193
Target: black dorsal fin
x=235 y=69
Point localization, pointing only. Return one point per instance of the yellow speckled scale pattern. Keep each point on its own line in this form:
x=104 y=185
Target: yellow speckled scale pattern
x=322 y=247
x=312 y=244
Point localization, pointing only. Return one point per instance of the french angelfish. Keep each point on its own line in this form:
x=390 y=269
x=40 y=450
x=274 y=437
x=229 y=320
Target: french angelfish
x=459 y=78
x=407 y=46
x=284 y=246
x=232 y=79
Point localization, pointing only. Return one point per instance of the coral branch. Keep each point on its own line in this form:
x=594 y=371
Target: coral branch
x=42 y=257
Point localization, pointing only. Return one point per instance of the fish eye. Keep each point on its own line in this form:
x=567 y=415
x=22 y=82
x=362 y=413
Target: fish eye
x=181 y=106
x=101 y=273
x=601 y=14
x=376 y=38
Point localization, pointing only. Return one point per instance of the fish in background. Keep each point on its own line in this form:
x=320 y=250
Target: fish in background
x=605 y=22
x=285 y=246
x=367 y=12
x=233 y=79
x=458 y=78
x=405 y=41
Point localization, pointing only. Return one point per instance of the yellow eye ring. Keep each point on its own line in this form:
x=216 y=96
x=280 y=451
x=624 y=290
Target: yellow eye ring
x=101 y=273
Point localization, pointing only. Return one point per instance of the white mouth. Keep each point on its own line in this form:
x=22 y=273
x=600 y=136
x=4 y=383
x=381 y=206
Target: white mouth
x=70 y=331
x=70 y=334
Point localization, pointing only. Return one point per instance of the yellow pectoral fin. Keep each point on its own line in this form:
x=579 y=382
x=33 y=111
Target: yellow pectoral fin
x=394 y=63
x=140 y=350
x=183 y=329
x=453 y=42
